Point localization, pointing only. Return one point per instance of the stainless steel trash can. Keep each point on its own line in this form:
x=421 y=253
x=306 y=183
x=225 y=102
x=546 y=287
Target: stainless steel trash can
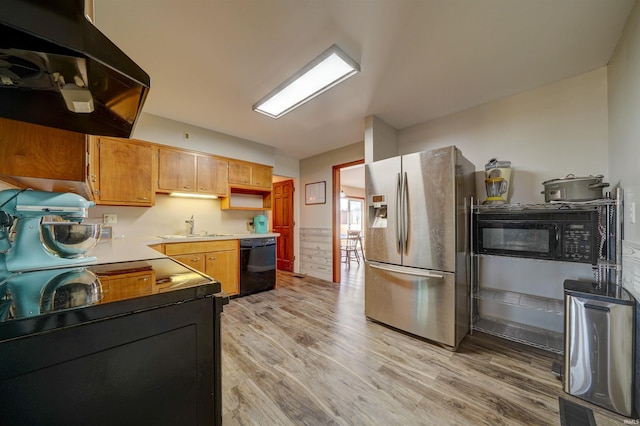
x=599 y=345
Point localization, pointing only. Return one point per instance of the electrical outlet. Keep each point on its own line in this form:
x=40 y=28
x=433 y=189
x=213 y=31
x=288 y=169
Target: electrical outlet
x=110 y=218
x=250 y=226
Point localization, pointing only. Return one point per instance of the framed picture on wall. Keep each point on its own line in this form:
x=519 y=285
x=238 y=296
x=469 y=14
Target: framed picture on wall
x=315 y=193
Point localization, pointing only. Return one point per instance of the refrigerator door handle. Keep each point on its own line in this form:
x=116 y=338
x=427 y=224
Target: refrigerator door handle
x=405 y=213
x=408 y=271
x=398 y=213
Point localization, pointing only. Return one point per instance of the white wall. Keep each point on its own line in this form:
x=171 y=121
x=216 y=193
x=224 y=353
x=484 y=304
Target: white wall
x=315 y=230
x=624 y=140
x=546 y=133
x=153 y=128
x=319 y=168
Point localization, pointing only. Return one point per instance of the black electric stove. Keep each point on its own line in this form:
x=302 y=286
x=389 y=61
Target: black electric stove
x=145 y=350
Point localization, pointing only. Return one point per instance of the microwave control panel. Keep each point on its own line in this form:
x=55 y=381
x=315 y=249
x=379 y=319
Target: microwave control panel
x=578 y=242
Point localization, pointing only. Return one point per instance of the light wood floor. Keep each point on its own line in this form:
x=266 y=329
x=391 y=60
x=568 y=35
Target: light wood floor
x=304 y=354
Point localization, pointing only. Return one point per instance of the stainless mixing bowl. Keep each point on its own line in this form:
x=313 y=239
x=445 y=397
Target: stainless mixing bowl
x=69 y=239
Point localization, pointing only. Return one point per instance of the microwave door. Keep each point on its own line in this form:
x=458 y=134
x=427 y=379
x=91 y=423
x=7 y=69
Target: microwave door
x=534 y=240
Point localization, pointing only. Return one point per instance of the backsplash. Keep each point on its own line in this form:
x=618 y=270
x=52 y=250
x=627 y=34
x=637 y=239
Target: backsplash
x=168 y=217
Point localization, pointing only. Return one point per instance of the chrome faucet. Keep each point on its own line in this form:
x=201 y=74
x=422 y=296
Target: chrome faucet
x=191 y=223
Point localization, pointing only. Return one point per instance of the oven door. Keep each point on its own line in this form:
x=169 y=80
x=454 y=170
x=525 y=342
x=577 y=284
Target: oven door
x=538 y=240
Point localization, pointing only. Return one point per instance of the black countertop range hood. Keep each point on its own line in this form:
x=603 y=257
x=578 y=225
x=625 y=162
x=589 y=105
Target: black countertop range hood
x=58 y=70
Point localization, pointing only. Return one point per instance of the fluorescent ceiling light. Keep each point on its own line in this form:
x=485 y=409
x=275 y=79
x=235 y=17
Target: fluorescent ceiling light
x=190 y=195
x=330 y=68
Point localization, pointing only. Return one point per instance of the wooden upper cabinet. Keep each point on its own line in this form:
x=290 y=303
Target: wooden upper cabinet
x=239 y=173
x=188 y=172
x=176 y=170
x=212 y=175
x=122 y=172
x=249 y=174
x=43 y=158
x=249 y=186
x=261 y=176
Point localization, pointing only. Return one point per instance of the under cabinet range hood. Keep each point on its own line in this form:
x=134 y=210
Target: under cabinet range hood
x=58 y=70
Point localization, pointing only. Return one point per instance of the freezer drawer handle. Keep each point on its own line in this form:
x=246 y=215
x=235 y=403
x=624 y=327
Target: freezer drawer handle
x=408 y=271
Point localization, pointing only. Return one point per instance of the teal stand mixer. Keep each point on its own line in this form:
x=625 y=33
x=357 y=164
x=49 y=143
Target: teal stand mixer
x=41 y=254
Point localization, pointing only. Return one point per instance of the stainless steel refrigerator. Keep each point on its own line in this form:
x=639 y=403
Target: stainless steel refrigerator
x=417 y=243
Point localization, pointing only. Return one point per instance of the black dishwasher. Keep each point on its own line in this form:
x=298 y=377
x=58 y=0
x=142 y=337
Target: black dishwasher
x=257 y=265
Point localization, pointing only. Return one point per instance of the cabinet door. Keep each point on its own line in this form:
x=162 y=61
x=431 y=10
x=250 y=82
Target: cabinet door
x=195 y=260
x=125 y=172
x=176 y=171
x=239 y=173
x=26 y=150
x=223 y=266
x=124 y=286
x=27 y=159
x=261 y=176
x=212 y=175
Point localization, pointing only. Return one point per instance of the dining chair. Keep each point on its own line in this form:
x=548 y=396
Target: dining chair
x=349 y=248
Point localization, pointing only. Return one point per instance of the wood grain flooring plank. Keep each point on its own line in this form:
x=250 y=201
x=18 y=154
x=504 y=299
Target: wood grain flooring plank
x=305 y=354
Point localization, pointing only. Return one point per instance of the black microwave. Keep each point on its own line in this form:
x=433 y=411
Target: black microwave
x=563 y=235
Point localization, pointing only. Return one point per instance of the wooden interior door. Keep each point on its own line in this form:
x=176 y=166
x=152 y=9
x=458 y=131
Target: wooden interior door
x=282 y=209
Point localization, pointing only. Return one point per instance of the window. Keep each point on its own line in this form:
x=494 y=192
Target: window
x=350 y=214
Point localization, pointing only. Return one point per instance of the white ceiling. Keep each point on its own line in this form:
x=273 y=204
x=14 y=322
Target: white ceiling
x=210 y=60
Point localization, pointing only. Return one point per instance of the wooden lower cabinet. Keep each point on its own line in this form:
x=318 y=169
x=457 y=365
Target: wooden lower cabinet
x=224 y=267
x=218 y=259
x=194 y=260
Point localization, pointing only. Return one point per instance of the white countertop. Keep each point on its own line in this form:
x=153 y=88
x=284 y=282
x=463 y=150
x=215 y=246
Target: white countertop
x=130 y=249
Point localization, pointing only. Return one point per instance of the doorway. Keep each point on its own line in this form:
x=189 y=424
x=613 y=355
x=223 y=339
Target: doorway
x=348 y=185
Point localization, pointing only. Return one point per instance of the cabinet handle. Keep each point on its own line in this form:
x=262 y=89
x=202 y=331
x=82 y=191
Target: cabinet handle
x=213 y=258
x=186 y=187
x=197 y=259
x=143 y=198
x=202 y=188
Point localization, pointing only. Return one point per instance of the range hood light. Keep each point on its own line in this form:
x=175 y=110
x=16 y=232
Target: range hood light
x=190 y=195
x=333 y=66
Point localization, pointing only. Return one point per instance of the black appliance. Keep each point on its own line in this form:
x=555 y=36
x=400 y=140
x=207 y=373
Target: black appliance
x=257 y=265
x=563 y=235
x=58 y=70
x=149 y=358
